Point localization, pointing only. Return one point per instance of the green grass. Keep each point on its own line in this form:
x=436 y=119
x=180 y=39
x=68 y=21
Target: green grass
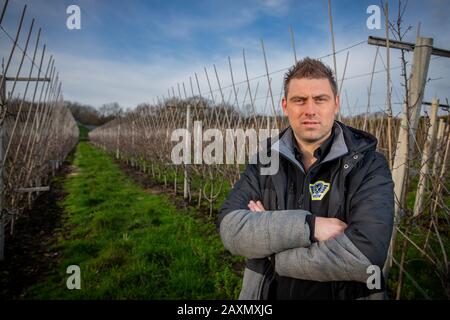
x=427 y=275
x=130 y=244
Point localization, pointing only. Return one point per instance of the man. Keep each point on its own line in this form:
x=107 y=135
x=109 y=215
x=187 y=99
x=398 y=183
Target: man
x=318 y=227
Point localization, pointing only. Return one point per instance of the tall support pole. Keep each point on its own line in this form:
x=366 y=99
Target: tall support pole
x=118 y=142
x=369 y=91
x=188 y=149
x=421 y=61
x=330 y=15
x=249 y=88
x=426 y=157
x=270 y=85
x=133 y=153
x=2 y=211
x=388 y=86
x=293 y=43
x=419 y=72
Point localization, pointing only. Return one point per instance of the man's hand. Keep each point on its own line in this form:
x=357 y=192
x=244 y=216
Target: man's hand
x=327 y=228
x=256 y=206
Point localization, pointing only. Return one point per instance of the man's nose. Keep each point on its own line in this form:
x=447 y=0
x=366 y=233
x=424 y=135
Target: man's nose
x=310 y=108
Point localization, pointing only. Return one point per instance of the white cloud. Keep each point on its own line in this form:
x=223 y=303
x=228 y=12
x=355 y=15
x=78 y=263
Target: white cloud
x=95 y=80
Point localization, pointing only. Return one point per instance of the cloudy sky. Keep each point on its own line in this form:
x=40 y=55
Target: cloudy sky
x=137 y=51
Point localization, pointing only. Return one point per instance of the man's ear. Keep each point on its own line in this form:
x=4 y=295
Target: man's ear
x=338 y=105
x=284 y=106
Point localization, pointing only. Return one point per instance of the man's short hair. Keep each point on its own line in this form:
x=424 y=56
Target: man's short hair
x=311 y=69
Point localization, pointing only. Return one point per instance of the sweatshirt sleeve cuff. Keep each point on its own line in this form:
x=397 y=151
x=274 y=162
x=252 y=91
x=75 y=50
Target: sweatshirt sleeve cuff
x=311 y=221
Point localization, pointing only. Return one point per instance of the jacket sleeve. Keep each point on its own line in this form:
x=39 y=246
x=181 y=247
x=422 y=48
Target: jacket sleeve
x=365 y=242
x=259 y=234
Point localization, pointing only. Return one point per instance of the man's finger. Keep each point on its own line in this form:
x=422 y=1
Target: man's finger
x=256 y=206
x=260 y=205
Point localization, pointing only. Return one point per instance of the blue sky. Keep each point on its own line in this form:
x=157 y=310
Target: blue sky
x=134 y=51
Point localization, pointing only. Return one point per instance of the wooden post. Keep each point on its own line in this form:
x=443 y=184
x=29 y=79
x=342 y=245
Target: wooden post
x=440 y=143
x=118 y=141
x=388 y=87
x=426 y=157
x=444 y=168
x=419 y=72
x=132 y=144
x=421 y=61
x=188 y=149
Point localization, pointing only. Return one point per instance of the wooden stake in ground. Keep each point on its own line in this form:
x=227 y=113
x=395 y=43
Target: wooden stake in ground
x=426 y=157
x=440 y=145
x=188 y=149
x=444 y=168
x=421 y=61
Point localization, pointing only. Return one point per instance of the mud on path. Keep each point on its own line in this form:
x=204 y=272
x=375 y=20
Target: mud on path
x=145 y=180
x=28 y=254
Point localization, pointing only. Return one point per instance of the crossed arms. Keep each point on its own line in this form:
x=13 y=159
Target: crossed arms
x=342 y=252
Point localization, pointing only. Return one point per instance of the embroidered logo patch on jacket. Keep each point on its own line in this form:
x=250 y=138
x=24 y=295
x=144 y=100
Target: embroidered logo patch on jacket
x=318 y=190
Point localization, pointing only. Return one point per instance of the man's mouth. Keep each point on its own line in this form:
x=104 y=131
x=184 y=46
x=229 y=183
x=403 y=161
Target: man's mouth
x=310 y=123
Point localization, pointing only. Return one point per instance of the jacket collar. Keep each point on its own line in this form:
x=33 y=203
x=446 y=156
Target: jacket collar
x=284 y=146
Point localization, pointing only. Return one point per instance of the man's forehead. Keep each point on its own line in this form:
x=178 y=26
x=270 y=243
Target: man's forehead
x=305 y=87
x=305 y=83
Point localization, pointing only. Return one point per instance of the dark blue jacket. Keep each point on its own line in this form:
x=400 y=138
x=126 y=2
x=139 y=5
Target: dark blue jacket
x=278 y=242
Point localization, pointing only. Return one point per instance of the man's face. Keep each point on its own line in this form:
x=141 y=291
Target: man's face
x=311 y=108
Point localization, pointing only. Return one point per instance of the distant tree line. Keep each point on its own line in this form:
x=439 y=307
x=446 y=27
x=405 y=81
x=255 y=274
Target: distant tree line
x=90 y=116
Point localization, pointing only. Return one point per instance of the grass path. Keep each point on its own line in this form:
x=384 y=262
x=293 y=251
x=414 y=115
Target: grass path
x=130 y=244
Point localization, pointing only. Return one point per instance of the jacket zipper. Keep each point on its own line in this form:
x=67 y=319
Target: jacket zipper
x=301 y=203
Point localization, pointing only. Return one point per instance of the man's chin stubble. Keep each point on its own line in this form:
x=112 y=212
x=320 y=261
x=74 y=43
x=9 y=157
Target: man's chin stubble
x=311 y=140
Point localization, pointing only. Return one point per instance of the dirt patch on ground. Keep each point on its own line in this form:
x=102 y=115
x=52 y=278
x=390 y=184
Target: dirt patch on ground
x=150 y=186
x=28 y=258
